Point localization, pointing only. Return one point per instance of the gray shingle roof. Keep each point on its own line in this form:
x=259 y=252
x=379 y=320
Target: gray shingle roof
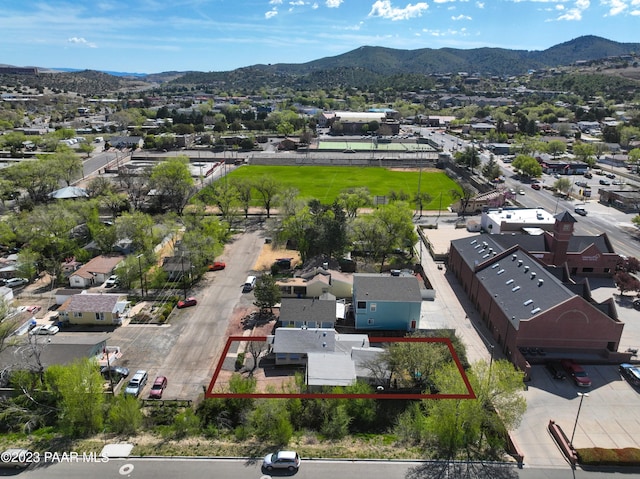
x=386 y=287
x=92 y=303
x=307 y=310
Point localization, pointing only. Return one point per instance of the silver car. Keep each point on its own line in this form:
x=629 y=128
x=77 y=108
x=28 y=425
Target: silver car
x=281 y=460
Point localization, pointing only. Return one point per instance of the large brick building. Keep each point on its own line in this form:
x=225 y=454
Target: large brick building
x=523 y=290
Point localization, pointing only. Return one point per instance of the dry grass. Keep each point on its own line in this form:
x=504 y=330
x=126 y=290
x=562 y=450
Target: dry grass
x=270 y=253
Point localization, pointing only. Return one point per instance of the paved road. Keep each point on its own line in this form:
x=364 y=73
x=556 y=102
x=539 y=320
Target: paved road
x=156 y=468
x=187 y=349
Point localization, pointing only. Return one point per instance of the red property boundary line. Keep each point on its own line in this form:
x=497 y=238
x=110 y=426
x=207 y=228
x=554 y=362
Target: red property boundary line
x=470 y=394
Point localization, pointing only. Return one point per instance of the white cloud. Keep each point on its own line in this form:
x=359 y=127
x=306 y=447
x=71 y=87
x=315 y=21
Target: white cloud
x=271 y=14
x=480 y=4
x=616 y=7
x=315 y=6
x=384 y=9
x=297 y=3
x=575 y=13
x=82 y=41
x=275 y=2
x=461 y=17
x=333 y=3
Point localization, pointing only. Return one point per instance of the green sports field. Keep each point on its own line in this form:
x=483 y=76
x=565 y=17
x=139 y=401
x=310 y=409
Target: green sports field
x=326 y=183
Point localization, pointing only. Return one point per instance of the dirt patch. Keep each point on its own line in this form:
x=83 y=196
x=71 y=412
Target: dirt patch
x=270 y=253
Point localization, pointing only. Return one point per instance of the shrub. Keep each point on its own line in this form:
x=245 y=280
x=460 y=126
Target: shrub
x=597 y=456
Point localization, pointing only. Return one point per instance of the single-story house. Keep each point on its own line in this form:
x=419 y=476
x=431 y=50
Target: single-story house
x=96 y=309
x=95 y=272
x=176 y=267
x=316 y=282
x=328 y=357
x=310 y=313
x=386 y=302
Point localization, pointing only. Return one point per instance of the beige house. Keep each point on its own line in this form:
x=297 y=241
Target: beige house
x=96 y=309
x=95 y=272
x=316 y=283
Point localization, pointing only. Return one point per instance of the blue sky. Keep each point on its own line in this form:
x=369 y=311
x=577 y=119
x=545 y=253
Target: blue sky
x=151 y=36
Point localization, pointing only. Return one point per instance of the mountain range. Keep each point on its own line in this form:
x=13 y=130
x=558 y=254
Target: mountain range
x=369 y=66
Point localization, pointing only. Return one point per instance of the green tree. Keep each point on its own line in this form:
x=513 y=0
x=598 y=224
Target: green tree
x=173 y=183
x=563 y=185
x=354 y=199
x=66 y=163
x=225 y=196
x=527 y=166
x=244 y=189
x=125 y=416
x=463 y=195
x=80 y=389
x=491 y=169
x=270 y=421
x=586 y=153
x=556 y=148
x=468 y=157
x=268 y=188
x=138 y=228
x=266 y=292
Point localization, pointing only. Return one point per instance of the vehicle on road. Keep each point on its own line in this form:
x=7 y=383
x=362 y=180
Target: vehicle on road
x=521 y=191
x=605 y=182
x=185 y=303
x=580 y=211
x=582 y=184
x=16 y=458
x=16 y=282
x=158 y=387
x=610 y=175
x=249 y=284
x=33 y=309
x=535 y=186
x=136 y=384
x=217 y=266
x=588 y=175
x=576 y=372
x=631 y=373
x=555 y=369
x=281 y=460
x=636 y=303
x=45 y=329
x=111 y=282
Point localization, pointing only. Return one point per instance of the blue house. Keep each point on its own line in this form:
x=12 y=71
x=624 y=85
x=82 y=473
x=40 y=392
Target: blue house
x=385 y=302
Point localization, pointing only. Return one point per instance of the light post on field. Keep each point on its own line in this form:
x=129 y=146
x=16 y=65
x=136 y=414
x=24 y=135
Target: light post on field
x=582 y=396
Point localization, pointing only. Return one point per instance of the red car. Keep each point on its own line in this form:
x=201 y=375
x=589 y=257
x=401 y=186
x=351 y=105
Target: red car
x=185 y=303
x=158 y=387
x=576 y=372
x=217 y=266
x=535 y=186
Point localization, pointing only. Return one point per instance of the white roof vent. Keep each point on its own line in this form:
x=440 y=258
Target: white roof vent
x=535 y=310
x=500 y=272
x=497 y=265
x=526 y=269
x=515 y=288
x=514 y=257
x=533 y=275
x=540 y=282
x=509 y=281
x=520 y=263
x=528 y=302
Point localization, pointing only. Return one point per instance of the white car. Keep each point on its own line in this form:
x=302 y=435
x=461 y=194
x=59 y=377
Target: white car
x=281 y=460
x=48 y=329
x=111 y=282
x=16 y=282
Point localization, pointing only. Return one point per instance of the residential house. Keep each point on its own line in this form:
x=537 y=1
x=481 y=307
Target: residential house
x=329 y=358
x=176 y=267
x=310 y=313
x=97 y=309
x=315 y=282
x=386 y=302
x=95 y=272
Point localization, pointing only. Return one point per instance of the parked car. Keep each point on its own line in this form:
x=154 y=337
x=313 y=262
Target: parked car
x=16 y=458
x=45 y=329
x=576 y=372
x=605 y=182
x=16 y=282
x=535 y=186
x=636 y=303
x=111 y=282
x=580 y=211
x=217 y=266
x=136 y=384
x=249 y=284
x=115 y=372
x=610 y=175
x=185 y=303
x=588 y=175
x=631 y=373
x=281 y=460
x=555 y=369
x=158 y=387
x=33 y=309
x=581 y=184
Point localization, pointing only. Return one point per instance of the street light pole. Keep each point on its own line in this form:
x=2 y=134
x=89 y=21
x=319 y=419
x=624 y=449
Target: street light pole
x=141 y=279
x=582 y=396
